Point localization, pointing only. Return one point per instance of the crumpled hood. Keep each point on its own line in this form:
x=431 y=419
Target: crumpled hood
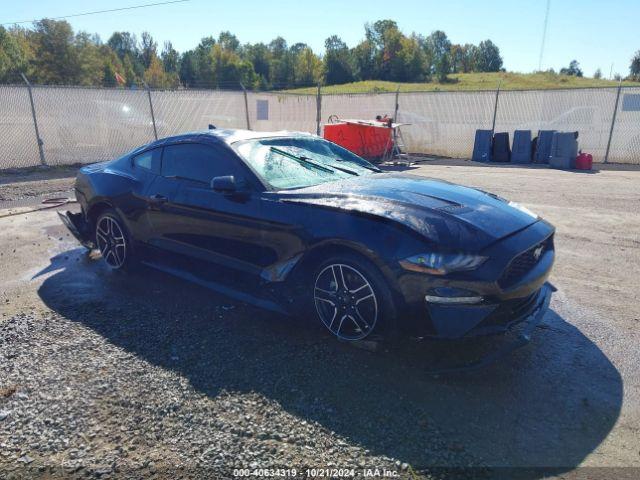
x=450 y=215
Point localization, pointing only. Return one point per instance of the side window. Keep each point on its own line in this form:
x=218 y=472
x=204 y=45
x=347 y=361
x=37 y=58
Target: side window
x=149 y=160
x=198 y=162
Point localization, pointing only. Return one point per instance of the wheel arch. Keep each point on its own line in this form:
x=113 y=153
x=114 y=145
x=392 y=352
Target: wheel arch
x=316 y=254
x=95 y=210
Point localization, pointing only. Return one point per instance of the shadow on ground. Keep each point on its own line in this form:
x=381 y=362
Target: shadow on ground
x=549 y=404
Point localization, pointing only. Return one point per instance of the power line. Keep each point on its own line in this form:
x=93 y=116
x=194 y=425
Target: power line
x=544 y=35
x=99 y=11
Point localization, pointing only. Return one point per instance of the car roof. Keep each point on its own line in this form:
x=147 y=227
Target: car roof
x=227 y=136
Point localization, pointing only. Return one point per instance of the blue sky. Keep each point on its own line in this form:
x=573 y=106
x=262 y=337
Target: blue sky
x=596 y=33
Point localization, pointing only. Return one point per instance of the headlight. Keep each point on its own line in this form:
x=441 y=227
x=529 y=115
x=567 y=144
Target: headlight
x=442 y=263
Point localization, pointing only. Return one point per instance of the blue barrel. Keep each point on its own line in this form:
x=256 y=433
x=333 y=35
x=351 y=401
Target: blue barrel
x=521 y=149
x=543 y=146
x=482 y=146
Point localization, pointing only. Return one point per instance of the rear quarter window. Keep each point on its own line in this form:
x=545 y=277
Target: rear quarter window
x=149 y=160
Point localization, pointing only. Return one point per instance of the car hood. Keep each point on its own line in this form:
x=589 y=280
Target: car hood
x=447 y=214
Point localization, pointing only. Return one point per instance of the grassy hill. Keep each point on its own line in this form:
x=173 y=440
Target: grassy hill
x=473 y=81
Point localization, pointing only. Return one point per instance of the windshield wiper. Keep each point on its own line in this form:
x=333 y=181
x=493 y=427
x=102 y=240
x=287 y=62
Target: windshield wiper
x=345 y=170
x=372 y=168
x=302 y=160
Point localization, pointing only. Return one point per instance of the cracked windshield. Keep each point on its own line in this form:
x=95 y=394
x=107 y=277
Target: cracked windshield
x=287 y=163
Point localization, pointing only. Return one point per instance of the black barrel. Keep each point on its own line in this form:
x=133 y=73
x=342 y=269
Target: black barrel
x=501 y=150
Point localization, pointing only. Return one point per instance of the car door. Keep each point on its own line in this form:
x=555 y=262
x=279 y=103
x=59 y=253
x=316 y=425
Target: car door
x=145 y=167
x=223 y=228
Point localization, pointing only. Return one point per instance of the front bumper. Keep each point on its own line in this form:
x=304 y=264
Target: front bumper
x=530 y=322
x=459 y=321
x=79 y=228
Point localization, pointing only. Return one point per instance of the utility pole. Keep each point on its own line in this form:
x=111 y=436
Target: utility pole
x=544 y=35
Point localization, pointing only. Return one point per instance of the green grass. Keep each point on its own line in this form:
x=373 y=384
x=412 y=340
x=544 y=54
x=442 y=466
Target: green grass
x=473 y=81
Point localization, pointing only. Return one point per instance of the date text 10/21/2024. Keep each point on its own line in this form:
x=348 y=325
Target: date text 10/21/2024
x=316 y=472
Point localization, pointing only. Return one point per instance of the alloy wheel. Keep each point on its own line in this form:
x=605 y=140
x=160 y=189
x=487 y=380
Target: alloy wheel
x=345 y=301
x=111 y=241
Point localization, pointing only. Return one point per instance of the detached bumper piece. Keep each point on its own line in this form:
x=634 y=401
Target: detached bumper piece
x=77 y=225
x=529 y=323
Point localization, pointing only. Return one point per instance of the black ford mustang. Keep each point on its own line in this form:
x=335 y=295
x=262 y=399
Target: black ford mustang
x=291 y=221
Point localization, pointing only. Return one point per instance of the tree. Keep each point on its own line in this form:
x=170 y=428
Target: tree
x=439 y=44
x=597 y=74
x=131 y=76
x=338 y=65
x=365 y=60
x=308 y=67
x=155 y=76
x=14 y=56
x=457 y=58
x=229 y=70
x=170 y=62
x=90 y=59
x=50 y=52
x=470 y=54
x=170 y=58
x=412 y=61
x=55 y=55
x=488 y=57
x=123 y=43
x=634 y=68
x=439 y=47
x=148 y=50
x=188 y=69
x=109 y=75
x=228 y=41
x=260 y=57
x=282 y=64
x=572 y=70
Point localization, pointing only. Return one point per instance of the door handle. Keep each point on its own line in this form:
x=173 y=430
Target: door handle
x=158 y=199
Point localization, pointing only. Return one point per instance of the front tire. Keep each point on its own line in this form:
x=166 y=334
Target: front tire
x=351 y=298
x=113 y=240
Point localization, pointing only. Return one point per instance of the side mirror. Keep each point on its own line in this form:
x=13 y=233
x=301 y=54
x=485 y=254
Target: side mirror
x=225 y=184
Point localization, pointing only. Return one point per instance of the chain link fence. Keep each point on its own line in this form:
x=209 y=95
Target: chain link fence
x=85 y=125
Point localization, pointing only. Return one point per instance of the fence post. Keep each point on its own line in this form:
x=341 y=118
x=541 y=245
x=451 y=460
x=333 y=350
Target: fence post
x=153 y=117
x=318 y=110
x=613 y=122
x=246 y=106
x=35 y=121
x=395 y=116
x=395 y=111
x=495 y=110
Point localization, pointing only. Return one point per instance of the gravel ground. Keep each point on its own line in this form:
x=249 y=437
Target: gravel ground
x=143 y=375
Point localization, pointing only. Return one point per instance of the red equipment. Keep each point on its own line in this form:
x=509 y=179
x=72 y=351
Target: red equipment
x=584 y=161
x=368 y=139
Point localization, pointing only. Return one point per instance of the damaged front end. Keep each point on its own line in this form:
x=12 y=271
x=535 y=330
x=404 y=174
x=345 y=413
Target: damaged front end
x=77 y=224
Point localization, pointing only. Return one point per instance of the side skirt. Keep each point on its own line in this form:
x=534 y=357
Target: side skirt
x=218 y=287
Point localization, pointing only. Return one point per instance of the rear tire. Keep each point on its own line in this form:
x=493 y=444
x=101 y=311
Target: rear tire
x=351 y=298
x=113 y=241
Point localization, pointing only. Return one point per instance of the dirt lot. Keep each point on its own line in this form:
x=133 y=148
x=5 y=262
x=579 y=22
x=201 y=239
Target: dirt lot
x=142 y=375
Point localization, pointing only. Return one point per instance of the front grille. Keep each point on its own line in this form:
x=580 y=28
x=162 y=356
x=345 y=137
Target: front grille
x=524 y=262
